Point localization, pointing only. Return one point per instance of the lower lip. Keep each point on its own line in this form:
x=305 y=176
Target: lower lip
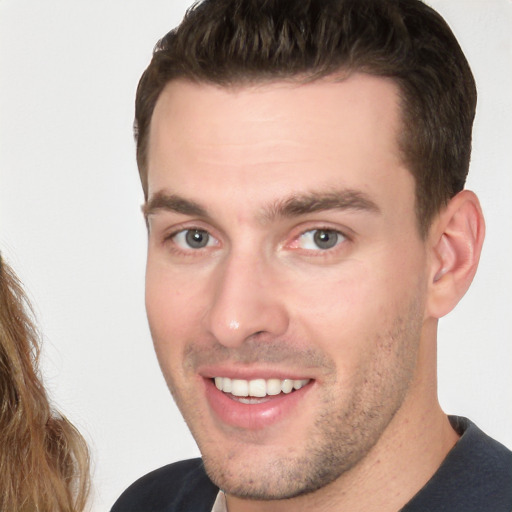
x=253 y=416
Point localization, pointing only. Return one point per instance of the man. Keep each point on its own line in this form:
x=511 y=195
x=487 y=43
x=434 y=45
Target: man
x=303 y=164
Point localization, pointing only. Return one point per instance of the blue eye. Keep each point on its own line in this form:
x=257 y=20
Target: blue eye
x=322 y=239
x=193 y=239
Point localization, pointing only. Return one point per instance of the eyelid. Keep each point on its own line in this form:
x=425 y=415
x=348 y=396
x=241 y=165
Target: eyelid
x=310 y=239
x=164 y=232
x=166 y=227
x=183 y=231
x=345 y=234
x=180 y=239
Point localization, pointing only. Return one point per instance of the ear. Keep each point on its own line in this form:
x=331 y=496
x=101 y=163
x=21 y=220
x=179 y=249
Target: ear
x=456 y=239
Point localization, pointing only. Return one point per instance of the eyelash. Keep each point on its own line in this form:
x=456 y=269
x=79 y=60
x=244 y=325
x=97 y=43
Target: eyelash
x=190 y=251
x=340 y=238
x=170 y=241
x=195 y=231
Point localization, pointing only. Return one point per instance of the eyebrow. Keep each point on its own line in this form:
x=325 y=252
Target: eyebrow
x=172 y=203
x=346 y=199
x=293 y=206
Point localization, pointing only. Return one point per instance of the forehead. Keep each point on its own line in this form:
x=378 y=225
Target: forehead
x=275 y=137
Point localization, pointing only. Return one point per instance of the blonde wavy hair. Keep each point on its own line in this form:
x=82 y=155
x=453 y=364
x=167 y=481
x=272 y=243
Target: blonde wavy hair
x=44 y=461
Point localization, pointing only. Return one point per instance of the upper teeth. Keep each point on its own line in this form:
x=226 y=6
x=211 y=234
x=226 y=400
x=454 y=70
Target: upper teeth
x=258 y=387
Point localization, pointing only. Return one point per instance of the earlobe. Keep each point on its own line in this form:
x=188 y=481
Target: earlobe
x=456 y=239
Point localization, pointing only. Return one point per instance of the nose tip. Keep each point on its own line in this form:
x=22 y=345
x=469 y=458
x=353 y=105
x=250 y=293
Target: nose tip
x=245 y=303
x=233 y=326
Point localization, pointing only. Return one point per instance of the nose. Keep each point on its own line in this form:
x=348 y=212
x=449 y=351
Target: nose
x=246 y=302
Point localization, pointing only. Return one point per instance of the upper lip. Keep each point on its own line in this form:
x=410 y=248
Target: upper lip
x=251 y=373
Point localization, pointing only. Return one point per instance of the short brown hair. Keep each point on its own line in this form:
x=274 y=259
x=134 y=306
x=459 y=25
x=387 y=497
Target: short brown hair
x=233 y=42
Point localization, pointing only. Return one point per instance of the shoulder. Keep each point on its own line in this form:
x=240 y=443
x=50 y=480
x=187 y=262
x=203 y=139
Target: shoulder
x=483 y=462
x=476 y=476
x=180 y=486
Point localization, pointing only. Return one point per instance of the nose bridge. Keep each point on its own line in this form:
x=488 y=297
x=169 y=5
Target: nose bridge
x=244 y=300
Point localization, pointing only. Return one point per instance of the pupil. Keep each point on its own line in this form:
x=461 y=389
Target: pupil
x=196 y=238
x=325 y=239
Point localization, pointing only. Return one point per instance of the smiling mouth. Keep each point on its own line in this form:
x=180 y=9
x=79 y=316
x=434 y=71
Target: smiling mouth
x=246 y=391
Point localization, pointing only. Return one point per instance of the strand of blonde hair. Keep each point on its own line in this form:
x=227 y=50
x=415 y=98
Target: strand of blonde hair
x=44 y=461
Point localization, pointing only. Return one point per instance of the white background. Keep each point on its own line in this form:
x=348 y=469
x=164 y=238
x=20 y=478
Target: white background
x=70 y=223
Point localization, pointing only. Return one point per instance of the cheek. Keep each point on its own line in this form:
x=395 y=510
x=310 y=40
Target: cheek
x=347 y=311
x=173 y=322
x=172 y=310
x=330 y=302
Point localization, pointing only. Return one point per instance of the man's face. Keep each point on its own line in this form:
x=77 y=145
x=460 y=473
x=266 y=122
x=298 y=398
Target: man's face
x=284 y=253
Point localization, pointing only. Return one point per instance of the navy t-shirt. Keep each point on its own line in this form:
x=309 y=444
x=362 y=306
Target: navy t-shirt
x=476 y=476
